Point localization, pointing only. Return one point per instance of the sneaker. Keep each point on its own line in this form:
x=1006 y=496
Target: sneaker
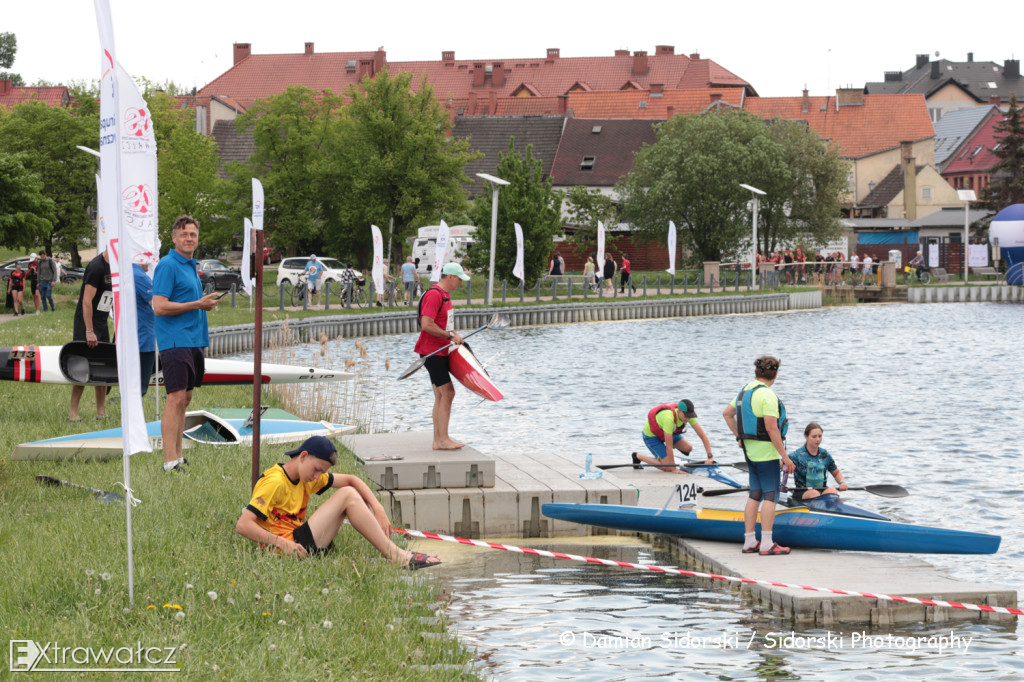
x=179 y=467
x=637 y=464
x=775 y=550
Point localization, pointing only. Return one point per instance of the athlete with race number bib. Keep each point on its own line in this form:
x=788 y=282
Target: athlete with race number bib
x=97 y=298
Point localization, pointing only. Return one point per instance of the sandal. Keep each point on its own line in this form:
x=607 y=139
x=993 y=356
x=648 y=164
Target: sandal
x=753 y=550
x=420 y=560
x=775 y=550
x=636 y=461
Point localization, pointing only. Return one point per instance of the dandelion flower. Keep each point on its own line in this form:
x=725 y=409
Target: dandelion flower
x=150 y=607
x=180 y=615
x=89 y=572
x=272 y=647
x=126 y=610
x=212 y=595
x=266 y=613
x=258 y=596
x=172 y=606
x=105 y=575
x=281 y=622
x=188 y=586
x=389 y=626
x=230 y=600
x=98 y=590
x=288 y=598
x=328 y=625
x=324 y=591
x=234 y=582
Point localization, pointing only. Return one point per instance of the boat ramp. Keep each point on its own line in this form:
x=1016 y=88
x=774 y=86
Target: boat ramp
x=467 y=494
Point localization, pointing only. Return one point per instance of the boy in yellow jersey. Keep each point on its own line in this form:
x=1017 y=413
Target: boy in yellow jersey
x=276 y=514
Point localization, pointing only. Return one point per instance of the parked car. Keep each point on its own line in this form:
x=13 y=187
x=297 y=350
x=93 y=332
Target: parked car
x=291 y=268
x=271 y=253
x=69 y=275
x=220 y=275
x=7 y=268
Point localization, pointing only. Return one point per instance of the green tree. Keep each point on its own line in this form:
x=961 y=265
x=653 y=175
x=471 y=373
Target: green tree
x=8 y=50
x=26 y=214
x=529 y=200
x=291 y=132
x=48 y=136
x=397 y=163
x=803 y=187
x=1007 y=177
x=585 y=207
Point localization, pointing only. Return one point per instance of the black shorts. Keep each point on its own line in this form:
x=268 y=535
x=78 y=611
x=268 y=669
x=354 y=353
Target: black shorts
x=183 y=368
x=304 y=536
x=35 y=288
x=101 y=328
x=437 y=367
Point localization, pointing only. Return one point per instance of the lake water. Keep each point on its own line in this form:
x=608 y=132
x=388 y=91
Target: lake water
x=918 y=395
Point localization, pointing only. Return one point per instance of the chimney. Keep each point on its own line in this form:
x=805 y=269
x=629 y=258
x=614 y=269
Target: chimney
x=379 y=60
x=553 y=52
x=716 y=97
x=667 y=50
x=909 y=180
x=471 y=109
x=670 y=112
x=621 y=53
x=492 y=102
x=365 y=69
x=695 y=56
x=893 y=76
x=5 y=86
x=1011 y=69
x=935 y=70
x=478 y=74
x=309 y=48
x=805 y=103
x=448 y=56
x=970 y=57
x=849 y=97
x=922 y=59
x=242 y=50
x=563 y=104
x=657 y=89
x=640 y=63
x=995 y=99
x=498 y=74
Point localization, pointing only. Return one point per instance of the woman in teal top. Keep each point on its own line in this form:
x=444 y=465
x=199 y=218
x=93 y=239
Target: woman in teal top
x=813 y=465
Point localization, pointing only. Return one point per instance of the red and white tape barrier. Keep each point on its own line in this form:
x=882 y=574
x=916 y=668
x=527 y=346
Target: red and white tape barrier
x=713 y=576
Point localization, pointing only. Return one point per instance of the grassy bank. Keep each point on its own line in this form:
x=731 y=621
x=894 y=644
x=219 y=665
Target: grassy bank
x=233 y=611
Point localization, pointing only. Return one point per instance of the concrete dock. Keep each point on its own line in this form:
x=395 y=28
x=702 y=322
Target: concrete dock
x=468 y=494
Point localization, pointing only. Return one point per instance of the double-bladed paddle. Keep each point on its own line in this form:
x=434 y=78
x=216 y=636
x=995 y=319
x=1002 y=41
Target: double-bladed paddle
x=686 y=465
x=882 y=490
x=496 y=322
x=104 y=495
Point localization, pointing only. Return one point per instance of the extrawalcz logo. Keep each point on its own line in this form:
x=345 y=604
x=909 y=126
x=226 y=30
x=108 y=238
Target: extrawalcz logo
x=27 y=655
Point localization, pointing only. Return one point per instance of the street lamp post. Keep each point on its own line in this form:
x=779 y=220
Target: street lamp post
x=757 y=194
x=496 y=184
x=966 y=196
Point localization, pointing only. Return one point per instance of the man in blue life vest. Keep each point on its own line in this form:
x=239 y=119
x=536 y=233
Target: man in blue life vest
x=437 y=331
x=758 y=420
x=663 y=434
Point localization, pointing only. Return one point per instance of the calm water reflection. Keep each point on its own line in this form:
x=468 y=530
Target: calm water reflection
x=919 y=395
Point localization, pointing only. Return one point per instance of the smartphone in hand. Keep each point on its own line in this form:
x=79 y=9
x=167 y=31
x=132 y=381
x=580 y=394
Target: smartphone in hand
x=221 y=295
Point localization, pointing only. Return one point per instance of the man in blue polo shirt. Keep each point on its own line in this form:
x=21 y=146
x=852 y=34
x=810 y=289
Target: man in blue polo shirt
x=181 y=332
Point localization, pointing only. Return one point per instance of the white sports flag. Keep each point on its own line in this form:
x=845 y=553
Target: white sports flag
x=600 y=245
x=378 y=259
x=440 y=251
x=518 y=269
x=671 y=248
x=257 y=204
x=247 y=247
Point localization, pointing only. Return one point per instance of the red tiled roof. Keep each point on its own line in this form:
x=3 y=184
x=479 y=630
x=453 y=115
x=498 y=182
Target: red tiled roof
x=260 y=76
x=976 y=153
x=641 y=104
x=55 y=96
x=881 y=123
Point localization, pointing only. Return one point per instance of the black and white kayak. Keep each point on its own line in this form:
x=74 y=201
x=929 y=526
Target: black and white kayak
x=211 y=427
x=77 y=363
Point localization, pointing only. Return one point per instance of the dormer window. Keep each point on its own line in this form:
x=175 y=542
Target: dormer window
x=587 y=165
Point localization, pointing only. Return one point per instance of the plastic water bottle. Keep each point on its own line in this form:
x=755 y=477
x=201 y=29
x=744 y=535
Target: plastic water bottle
x=591 y=474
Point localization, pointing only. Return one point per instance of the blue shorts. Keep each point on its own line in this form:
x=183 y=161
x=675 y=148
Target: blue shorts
x=657 y=445
x=765 y=476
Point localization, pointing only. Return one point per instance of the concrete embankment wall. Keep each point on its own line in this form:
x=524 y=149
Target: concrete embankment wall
x=1001 y=293
x=238 y=339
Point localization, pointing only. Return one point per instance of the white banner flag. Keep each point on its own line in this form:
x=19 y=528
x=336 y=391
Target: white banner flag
x=257 y=204
x=518 y=269
x=440 y=251
x=247 y=246
x=933 y=255
x=977 y=255
x=600 y=246
x=378 y=259
x=671 y=248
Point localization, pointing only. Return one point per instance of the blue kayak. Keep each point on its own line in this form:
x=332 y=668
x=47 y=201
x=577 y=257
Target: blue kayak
x=799 y=527
x=832 y=504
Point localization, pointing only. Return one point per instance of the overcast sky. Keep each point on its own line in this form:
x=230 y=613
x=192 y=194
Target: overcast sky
x=777 y=47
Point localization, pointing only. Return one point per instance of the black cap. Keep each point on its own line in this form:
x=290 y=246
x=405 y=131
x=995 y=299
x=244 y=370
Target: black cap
x=686 y=407
x=317 y=446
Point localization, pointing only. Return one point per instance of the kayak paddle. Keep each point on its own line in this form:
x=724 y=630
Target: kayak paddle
x=104 y=495
x=496 y=322
x=882 y=490
x=686 y=465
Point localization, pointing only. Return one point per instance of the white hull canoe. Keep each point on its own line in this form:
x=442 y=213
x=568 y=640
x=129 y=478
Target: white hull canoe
x=76 y=363
x=201 y=426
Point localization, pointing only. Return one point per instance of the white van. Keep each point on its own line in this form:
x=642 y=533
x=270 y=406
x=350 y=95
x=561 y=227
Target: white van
x=424 y=246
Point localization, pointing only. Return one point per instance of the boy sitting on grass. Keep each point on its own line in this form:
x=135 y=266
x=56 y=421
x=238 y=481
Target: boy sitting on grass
x=276 y=514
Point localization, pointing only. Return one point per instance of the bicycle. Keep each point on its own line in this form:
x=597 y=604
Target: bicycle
x=298 y=292
x=358 y=293
x=921 y=274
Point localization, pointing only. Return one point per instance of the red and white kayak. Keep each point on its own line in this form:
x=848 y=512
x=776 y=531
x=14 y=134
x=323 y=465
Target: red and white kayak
x=76 y=363
x=467 y=369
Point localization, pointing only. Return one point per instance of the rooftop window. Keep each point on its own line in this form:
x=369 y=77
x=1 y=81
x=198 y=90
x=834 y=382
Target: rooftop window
x=587 y=165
